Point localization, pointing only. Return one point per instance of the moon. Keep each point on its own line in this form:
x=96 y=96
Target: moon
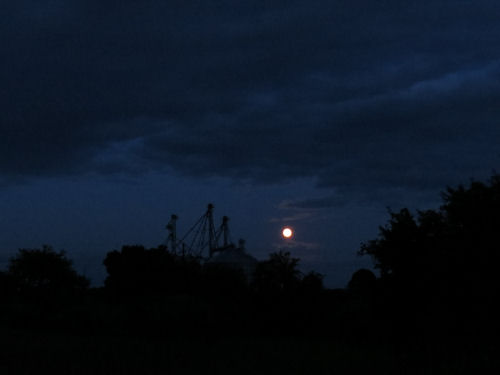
x=287 y=232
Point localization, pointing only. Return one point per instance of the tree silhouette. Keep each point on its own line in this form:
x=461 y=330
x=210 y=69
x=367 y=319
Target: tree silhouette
x=277 y=274
x=450 y=255
x=7 y=285
x=222 y=280
x=312 y=282
x=44 y=272
x=136 y=270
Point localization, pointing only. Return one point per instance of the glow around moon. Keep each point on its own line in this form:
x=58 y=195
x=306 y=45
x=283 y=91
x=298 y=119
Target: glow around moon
x=287 y=232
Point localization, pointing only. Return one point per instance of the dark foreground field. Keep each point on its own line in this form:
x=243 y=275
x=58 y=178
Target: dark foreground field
x=32 y=353
x=138 y=339
x=26 y=353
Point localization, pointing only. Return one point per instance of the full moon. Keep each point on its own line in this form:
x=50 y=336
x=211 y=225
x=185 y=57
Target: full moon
x=287 y=232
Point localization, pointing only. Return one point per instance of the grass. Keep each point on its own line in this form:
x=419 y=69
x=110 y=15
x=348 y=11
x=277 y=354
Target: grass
x=30 y=353
x=138 y=339
x=24 y=352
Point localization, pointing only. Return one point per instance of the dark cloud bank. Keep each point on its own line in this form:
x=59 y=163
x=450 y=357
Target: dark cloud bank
x=360 y=96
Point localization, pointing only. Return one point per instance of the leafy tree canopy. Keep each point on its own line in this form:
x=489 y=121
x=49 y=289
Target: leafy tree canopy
x=454 y=250
x=277 y=274
x=136 y=270
x=45 y=270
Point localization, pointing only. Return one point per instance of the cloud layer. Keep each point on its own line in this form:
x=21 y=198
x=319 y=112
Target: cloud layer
x=356 y=95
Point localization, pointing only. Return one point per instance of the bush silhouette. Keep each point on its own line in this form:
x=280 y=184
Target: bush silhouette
x=362 y=280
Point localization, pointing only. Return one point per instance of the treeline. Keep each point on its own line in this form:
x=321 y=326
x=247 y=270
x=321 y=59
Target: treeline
x=437 y=268
x=148 y=289
x=138 y=271
x=443 y=262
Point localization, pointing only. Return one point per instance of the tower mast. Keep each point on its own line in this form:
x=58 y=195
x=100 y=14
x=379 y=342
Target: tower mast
x=172 y=232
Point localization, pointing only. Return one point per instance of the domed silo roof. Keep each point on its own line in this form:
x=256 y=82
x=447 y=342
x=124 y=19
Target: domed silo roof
x=235 y=258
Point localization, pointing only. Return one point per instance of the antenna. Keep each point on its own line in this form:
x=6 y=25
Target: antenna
x=225 y=230
x=201 y=236
x=212 y=242
x=241 y=244
x=172 y=233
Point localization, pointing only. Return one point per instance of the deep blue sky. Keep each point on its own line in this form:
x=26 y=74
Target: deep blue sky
x=316 y=114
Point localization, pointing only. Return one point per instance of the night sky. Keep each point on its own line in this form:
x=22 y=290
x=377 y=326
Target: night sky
x=313 y=114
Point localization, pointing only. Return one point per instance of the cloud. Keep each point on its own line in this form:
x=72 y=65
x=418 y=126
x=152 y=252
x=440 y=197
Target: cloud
x=361 y=97
x=307 y=252
x=313 y=203
x=294 y=216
